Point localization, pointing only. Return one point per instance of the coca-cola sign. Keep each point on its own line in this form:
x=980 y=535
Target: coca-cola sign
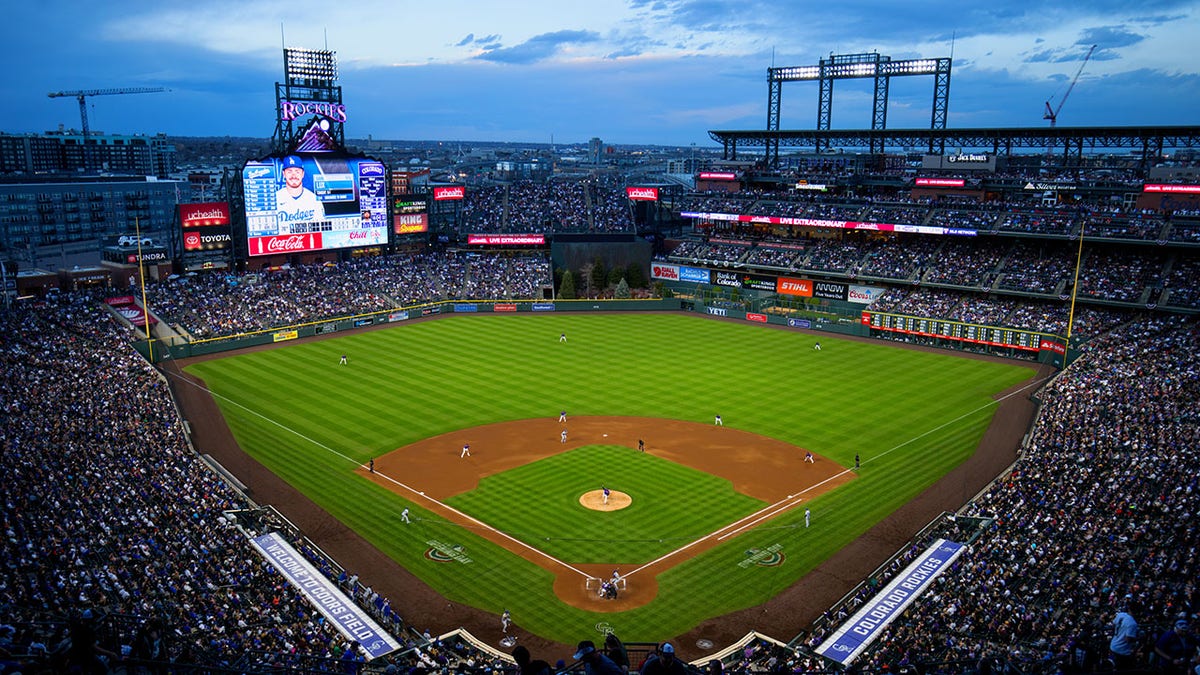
x=285 y=243
x=645 y=194
x=207 y=214
x=442 y=193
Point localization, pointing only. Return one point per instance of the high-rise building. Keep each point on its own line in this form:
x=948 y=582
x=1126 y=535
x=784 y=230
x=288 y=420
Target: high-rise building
x=66 y=152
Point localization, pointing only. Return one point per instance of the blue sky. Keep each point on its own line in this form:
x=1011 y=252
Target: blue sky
x=628 y=71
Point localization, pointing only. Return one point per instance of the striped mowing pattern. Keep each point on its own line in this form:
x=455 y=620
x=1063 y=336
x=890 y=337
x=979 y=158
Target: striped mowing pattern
x=912 y=416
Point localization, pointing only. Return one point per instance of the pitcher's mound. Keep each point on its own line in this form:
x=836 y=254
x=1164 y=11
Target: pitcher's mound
x=594 y=500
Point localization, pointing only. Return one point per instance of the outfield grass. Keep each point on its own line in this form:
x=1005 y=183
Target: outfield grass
x=539 y=504
x=911 y=415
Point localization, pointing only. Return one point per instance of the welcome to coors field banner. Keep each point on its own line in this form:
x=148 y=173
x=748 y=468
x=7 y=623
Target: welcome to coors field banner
x=348 y=618
x=869 y=622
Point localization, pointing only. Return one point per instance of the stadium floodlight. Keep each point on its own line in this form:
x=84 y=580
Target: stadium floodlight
x=310 y=64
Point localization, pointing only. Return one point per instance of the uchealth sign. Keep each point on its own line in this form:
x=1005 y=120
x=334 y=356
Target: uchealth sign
x=665 y=272
x=443 y=193
x=789 y=286
x=207 y=214
x=506 y=239
x=645 y=194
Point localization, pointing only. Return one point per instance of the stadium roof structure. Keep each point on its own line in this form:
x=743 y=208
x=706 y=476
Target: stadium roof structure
x=1071 y=141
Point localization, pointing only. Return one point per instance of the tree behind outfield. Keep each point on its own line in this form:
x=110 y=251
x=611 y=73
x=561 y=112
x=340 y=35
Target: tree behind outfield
x=566 y=290
x=635 y=274
x=622 y=290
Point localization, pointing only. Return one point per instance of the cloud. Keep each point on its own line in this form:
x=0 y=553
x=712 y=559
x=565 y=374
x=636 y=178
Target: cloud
x=539 y=47
x=1109 y=37
x=465 y=41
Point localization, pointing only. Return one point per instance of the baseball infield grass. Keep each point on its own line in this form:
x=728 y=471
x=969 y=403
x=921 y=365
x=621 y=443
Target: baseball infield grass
x=539 y=504
x=912 y=416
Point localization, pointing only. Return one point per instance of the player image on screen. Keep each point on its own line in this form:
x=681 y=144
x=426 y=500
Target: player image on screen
x=295 y=203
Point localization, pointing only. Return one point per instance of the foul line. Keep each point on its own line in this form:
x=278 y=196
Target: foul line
x=414 y=491
x=783 y=505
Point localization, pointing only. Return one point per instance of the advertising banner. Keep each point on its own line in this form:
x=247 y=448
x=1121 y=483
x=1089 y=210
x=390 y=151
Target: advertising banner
x=717 y=175
x=348 y=618
x=409 y=223
x=731 y=279
x=466 y=307
x=1173 y=189
x=830 y=290
x=207 y=214
x=284 y=336
x=758 y=282
x=288 y=243
x=506 y=239
x=642 y=194
x=760 y=318
x=667 y=272
x=543 y=307
x=398 y=316
x=444 y=193
x=799 y=287
x=863 y=295
x=821 y=222
x=849 y=640
x=1052 y=346
x=940 y=182
x=694 y=275
x=800 y=323
x=504 y=307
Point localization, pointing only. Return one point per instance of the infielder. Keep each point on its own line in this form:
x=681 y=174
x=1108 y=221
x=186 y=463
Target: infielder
x=562 y=417
x=606 y=493
x=404 y=515
x=808 y=457
x=563 y=436
x=807 y=517
x=717 y=421
x=466 y=451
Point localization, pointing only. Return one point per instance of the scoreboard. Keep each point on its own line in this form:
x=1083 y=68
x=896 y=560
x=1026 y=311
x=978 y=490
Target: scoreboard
x=994 y=336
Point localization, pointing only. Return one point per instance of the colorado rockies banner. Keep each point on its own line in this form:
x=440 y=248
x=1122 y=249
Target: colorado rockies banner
x=861 y=630
x=350 y=619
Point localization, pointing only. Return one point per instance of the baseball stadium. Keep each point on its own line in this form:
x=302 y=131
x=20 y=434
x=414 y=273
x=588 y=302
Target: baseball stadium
x=939 y=423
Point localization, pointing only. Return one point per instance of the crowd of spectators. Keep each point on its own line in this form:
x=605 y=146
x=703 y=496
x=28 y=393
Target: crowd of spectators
x=216 y=305
x=558 y=205
x=115 y=516
x=1181 y=282
x=900 y=258
x=1032 y=268
x=1095 y=517
x=965 y=263
x=1112 y=274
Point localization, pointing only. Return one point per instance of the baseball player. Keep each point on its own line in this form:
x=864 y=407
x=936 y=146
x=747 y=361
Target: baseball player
x=404 y=515
x=562 y=417
x=641 y=445
x=562 y=438
x=344 y=360
x=562 y=337
x=856 y=463
x=371 y=465
x=505 y=619
x=466 y=451
x=606 y=493
x=817 y=347
x=808 y=457
x=717 y=421
x=807 y=517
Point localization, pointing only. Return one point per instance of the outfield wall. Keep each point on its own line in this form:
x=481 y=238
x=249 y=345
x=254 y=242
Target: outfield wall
x=181 y=348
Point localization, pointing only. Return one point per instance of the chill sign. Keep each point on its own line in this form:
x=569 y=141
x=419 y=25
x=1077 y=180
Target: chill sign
x=644 y=194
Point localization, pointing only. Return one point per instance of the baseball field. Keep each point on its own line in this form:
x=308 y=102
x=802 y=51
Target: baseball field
x=706 y=521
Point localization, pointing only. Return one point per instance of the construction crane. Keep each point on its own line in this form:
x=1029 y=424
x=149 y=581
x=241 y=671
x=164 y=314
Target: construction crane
x=82 y=97
x=1052 y=113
